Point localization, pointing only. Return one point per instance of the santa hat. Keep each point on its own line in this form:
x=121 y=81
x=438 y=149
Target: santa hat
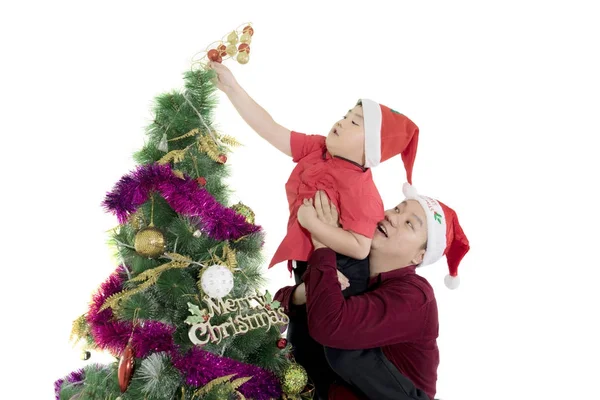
x=389 y=133
x=444 y=234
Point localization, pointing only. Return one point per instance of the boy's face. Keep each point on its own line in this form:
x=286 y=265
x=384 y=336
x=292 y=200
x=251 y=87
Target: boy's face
x=347 y=136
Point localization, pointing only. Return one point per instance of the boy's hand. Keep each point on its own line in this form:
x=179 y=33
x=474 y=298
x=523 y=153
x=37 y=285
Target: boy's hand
x=224 y=80
x=299 y=295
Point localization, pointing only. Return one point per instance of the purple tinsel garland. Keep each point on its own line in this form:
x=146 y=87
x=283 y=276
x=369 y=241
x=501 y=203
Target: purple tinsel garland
x=185 y=196
x=197 y=366
x=200 y=367
x=113 y=335
x=73 y=377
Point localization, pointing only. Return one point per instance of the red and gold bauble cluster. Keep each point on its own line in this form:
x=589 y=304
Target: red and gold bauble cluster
x=235 y=44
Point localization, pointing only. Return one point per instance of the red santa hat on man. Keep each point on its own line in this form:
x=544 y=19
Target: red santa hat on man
x=389 y=133
x=444 y=234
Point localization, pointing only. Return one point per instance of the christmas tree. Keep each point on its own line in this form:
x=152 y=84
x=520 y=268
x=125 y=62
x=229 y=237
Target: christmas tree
x=183 y=313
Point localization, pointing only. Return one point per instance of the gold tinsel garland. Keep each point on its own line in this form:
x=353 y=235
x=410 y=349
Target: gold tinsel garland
x=174 y=155
x=213 y=145
x=150 y=277
x=234 y=385
x=178 y=173
x=208 y=146
x=191 y=133
x=227 y=259
x=80 y=329
x=230 y=141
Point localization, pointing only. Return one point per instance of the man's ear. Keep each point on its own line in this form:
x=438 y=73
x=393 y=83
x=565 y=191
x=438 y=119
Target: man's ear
x=418 y=258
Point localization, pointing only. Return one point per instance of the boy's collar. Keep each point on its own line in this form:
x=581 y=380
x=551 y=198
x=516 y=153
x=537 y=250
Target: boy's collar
x=327 y=155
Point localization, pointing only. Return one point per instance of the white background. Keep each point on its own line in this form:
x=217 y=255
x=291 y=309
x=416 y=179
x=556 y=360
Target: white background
x=506 y=96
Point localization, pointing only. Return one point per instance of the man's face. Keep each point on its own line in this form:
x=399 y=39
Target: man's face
x=347 y=136
x=402 y=233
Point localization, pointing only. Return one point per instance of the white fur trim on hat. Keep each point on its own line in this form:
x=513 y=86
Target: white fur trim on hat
x=436 y=224
x=372 y=118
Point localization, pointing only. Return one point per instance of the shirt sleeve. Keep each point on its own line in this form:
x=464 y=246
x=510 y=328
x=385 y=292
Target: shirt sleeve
x=392 y=313
x=302 y=144
x=361 y=214
x=284 y=296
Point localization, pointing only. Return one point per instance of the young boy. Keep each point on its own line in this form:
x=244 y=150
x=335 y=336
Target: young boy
x=339 y=164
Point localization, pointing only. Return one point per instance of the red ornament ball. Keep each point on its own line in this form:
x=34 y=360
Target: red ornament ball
x=244 y=47
x=222 y=158
x=201 y=181
x=281 y=343
x=248 y=29
x=223 y=50
x=213 y=55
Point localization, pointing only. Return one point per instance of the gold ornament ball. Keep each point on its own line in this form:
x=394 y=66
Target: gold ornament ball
x=294 y=379
x=85 y=355
x=244 y=210
x=232 y=38
x=150 y=242
x=231 y=49
x=243 y=57
x=246 y=38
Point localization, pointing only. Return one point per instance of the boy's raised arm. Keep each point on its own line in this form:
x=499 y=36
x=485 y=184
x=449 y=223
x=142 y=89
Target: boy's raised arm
x=254 y=115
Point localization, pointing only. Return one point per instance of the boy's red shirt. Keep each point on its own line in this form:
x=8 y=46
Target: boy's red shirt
x=349 y=186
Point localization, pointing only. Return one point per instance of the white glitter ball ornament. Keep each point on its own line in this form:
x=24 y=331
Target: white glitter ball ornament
x=217 y=281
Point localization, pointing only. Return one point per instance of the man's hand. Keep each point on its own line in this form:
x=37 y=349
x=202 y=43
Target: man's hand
x=344 y=282
x=322 y=211
x=326 y=211
x=307 y=214
x=224 y=79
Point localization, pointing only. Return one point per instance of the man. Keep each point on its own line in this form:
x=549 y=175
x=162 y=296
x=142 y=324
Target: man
x=396 y=320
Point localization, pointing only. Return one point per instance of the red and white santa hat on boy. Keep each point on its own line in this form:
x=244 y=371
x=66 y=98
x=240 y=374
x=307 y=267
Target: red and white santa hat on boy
x=389 y=133
x=444 y=234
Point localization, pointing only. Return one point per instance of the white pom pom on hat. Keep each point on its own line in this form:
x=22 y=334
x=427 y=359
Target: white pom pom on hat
x=452 y=282
x=445 y=236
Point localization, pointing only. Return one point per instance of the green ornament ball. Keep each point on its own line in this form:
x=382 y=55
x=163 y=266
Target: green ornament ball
x=294 y=379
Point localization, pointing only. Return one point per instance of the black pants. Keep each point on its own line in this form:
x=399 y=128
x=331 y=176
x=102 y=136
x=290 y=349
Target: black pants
x=368 y=371
x=371 y=374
